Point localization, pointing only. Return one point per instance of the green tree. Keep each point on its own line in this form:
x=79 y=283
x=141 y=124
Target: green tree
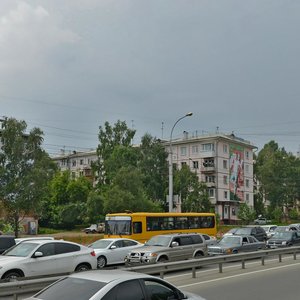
x=94 y=207
x=193 y=194
x=154 y=167
x=109 y=138
x=25 y=170
x=127 y=193
x=245 y=213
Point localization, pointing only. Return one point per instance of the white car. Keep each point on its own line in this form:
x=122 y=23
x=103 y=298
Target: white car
x=113 y=251
x=112 y=284
x=45 y=257
x=269 y=229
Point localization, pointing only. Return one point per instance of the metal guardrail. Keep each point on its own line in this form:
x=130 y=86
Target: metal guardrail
x=20 y=287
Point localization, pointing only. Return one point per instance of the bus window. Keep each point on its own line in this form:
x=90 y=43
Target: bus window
x=137 y=227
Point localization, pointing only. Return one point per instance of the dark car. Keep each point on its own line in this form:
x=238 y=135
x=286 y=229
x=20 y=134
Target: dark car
x=6 y=242
x=232 y=244
x=284 y=239
x=256 y=231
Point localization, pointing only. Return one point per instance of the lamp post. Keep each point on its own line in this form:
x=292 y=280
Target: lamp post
x=171 y=163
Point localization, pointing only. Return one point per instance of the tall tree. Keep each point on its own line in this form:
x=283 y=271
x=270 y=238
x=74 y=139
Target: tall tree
x=154 y=167
x=109 y=138
x=25 y=170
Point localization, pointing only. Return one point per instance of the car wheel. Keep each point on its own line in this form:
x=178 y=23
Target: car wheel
x=162 y=259
x=12 y=275
x=101 y=262
x=82 y=267
x=198 y=255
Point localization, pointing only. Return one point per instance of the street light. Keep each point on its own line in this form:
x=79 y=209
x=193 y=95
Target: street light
x=171 y=163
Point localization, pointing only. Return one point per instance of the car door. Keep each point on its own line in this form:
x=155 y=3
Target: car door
x=184 y=250
x=67 y=256
x=296 y=238
x=45 y=264
x=117 y=252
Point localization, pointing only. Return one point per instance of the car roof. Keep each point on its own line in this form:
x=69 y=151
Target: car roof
x=41 y=242
x=109 y=275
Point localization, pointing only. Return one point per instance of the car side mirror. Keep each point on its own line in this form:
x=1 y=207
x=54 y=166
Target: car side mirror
x=174 y=244
x=113 y=247
x=38 y=254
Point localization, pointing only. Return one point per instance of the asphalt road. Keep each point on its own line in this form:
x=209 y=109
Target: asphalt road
x=275 y=281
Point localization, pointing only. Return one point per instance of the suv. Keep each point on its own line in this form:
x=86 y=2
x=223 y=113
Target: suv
x=255 y=231
x=6 y=242
x=169 y=247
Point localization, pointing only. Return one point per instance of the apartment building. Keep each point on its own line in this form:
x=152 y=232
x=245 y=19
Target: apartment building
x=224 y=163
x=78 y=163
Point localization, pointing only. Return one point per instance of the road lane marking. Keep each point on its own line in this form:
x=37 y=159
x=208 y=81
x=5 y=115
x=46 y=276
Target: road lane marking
x=238 y=275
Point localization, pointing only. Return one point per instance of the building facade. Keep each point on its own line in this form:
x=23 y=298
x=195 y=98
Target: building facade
x=224 y=163
x=78 y=163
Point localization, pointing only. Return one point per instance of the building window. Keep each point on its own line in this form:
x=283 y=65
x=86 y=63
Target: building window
x=194 y=149
x=247 y=183
x=183 y=163
x=225 y=179
x=73 y=175
x=208 y=147
x=81 y=173
x=247 y=154
x=81 y=162
x=225 y=164
x=208 y=163
x=246 y=169
x=247 y=198
x=225 y=195
x=183 y=151
x=233 y=211
x=225 y=148
x=211 y=193
x=210 y=179
x=74 y=163
x=195 y=164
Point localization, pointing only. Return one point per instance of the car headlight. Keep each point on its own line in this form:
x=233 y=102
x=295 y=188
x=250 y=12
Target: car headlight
x=228 y=251
x=151 y=254
x=283 y=243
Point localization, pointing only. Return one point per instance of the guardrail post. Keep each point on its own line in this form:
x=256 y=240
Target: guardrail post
x=161 y=274
x=220 y=268
x=15 y=297
x=280 y=258
x=243 y=264
x=295 y=255
x=194 y=272
x=262 y=260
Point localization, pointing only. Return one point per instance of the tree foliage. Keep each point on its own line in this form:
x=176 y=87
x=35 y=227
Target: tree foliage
x=25 y=170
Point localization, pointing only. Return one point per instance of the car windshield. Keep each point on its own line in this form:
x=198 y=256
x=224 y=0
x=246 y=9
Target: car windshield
x=230 y=240
x=158 y=240
x=243 y=231
x=283 y=234
x=71 y=289
x=23 y=249
x=100 y=244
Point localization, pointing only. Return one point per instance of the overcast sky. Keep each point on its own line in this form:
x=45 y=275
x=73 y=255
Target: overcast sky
x=69 y=66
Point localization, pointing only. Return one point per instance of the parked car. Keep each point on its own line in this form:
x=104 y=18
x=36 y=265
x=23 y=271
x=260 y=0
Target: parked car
x=233 y=244
x=255 y=231
x=45 y=257
x=95 y=228
x=113 y=251
x=112 y=284
x=269 y=229
x=6 y=242
x=284 y=239
x=261 y=221
x=168 y=247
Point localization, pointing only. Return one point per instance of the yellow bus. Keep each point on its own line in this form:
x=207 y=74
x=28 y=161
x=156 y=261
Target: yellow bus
x=141 y=226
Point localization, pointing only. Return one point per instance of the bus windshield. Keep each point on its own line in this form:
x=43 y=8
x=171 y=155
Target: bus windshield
x=118 y=227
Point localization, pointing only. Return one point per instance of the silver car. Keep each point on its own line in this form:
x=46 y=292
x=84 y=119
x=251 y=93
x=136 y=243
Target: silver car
x=233 y=244
x=168 y=247
x=111 y=285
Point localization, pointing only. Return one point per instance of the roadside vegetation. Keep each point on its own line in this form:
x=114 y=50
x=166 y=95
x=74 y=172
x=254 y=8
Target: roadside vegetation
x=127 y=178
